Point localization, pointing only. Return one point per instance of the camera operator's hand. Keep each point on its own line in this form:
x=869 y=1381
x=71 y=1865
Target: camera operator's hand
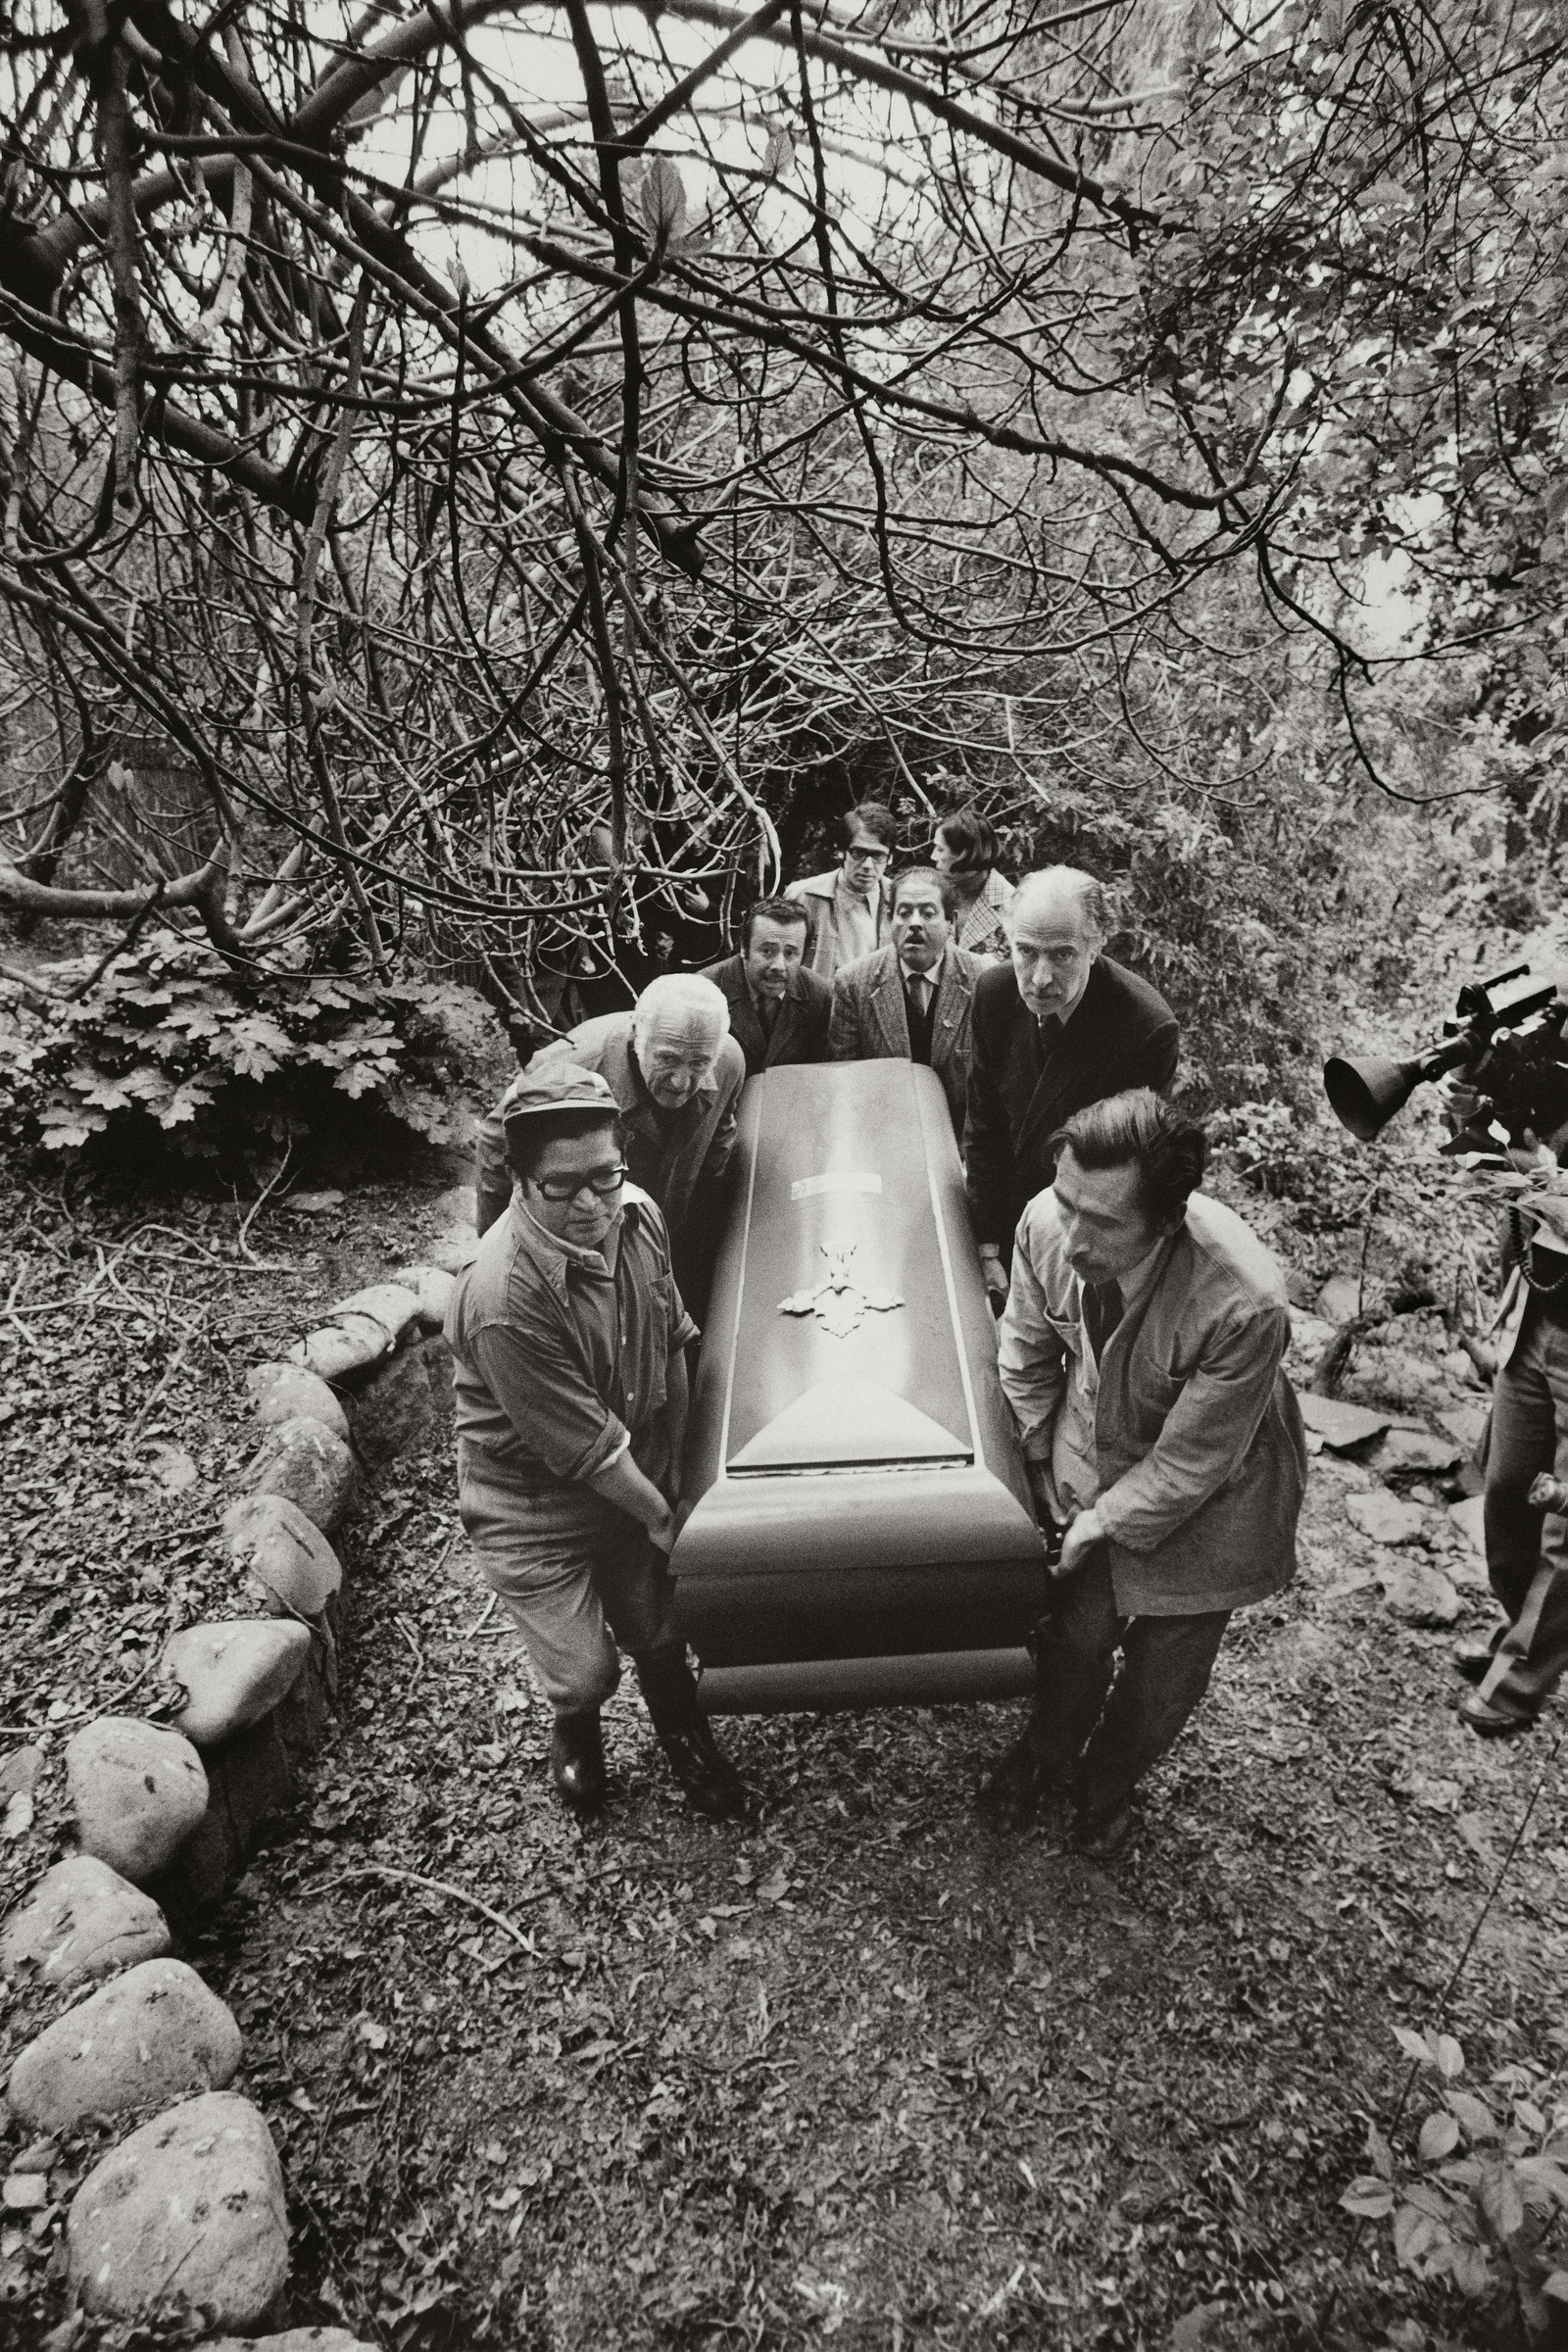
x=1550 y=1210
x=1463 y=1103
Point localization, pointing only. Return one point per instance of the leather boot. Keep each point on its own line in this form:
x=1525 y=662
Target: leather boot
x=1037 y=1766
x=577 y=1760
x=712 y=1785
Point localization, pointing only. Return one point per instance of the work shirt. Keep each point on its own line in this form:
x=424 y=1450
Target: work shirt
x=561 y=1361
x=1060 y=1445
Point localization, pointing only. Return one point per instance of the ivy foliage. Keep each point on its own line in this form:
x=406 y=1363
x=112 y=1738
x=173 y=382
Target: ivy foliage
x=165 y=1047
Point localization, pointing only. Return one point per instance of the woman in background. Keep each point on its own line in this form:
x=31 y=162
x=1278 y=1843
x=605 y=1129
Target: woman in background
x=965 y=849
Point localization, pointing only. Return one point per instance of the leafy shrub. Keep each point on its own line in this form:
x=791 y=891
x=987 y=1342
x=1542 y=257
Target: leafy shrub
x=1480 y=2203
x=164 y=1049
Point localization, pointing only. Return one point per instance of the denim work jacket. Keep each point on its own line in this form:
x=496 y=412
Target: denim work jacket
x=1189 y=1421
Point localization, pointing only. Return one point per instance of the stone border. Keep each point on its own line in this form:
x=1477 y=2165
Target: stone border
x=168 y=1818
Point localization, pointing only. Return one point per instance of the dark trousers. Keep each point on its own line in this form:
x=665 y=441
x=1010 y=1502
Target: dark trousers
x=1527 y=1550
x=1105 y=1746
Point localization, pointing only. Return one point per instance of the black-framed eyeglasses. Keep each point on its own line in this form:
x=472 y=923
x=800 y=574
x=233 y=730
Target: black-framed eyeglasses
x=602 y=1183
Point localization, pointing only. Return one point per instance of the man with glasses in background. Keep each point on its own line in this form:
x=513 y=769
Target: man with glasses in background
x=569 y=1338
x=848 y=910
x=1056 y=1028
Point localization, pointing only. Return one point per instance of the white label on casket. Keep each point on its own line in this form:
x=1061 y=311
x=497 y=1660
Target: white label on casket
x=850 y=1180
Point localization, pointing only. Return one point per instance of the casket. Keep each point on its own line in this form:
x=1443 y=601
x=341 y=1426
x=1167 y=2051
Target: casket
x=859 y=1527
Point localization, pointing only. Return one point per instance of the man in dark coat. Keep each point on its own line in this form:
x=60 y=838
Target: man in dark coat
x=778 y=1011
x=1057 y=1028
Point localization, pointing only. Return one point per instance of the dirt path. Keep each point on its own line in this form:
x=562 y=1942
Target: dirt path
x=870 y=2071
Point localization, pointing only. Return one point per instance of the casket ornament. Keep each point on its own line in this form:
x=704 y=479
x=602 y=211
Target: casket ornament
x=838 y=1306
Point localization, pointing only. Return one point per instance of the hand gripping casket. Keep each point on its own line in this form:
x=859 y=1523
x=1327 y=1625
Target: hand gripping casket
x=860 y=1523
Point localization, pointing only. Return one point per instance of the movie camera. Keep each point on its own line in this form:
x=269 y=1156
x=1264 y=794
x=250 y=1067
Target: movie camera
x=1506 y=1038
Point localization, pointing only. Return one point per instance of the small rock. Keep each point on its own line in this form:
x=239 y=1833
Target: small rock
x=317 y=1204
x=18 y=1772
x=292 y=2341
x=25 y=2192
x=1466 y=1423
x=1399 y=1378
x=1475 y=1832
x=82 y=1919
x=174 y=1468
x=390 y=1304
x=234 y=1673
x=454 y=1249
x=1431 y=1794
x=1309 y=1334
x=395 y=1410
x=138 y=1791
x=1416 y=1449
x=1420 y=1594
x=155 y=2034
x=191 y=2204
x=307 y=1466
x=285 y=1554
x=289 y=1393
x=1340 y=1298
x=1385 y=1518
x=1342 y=1427
x=1470 y=1519
x=432 y=1286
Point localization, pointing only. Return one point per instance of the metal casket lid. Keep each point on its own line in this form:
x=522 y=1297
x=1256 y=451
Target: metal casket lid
x=847 y=1411
x=842 y=1421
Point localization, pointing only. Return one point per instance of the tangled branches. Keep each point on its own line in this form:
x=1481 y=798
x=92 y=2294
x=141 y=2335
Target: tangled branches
x=494 y=452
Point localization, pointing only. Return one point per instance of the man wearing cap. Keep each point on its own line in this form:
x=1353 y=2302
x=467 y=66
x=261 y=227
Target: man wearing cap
x=674 y=1073
x=568 y=1335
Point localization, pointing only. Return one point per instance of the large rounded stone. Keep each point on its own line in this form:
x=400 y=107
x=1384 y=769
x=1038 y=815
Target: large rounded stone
x=234 y=1673
x=306 y=1465
x=82 y=1919
x=289 y=1393
x=188 y=2208
x=453 y=1250
x=393 y=1303
x=434 y=1287
x=292 y=2339
x=151 y=2035
x=339 y=1349
x=138 y=1791
x=285 y=1554
x=395 y=1410
x=1420 y=1594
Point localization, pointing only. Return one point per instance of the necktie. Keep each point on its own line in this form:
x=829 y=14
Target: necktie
x=768 y=1013
x=920 y=993
x=1102 y=1313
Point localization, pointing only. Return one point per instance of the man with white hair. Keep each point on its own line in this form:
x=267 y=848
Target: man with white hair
x=675 y=1072
x=1058 y=1027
